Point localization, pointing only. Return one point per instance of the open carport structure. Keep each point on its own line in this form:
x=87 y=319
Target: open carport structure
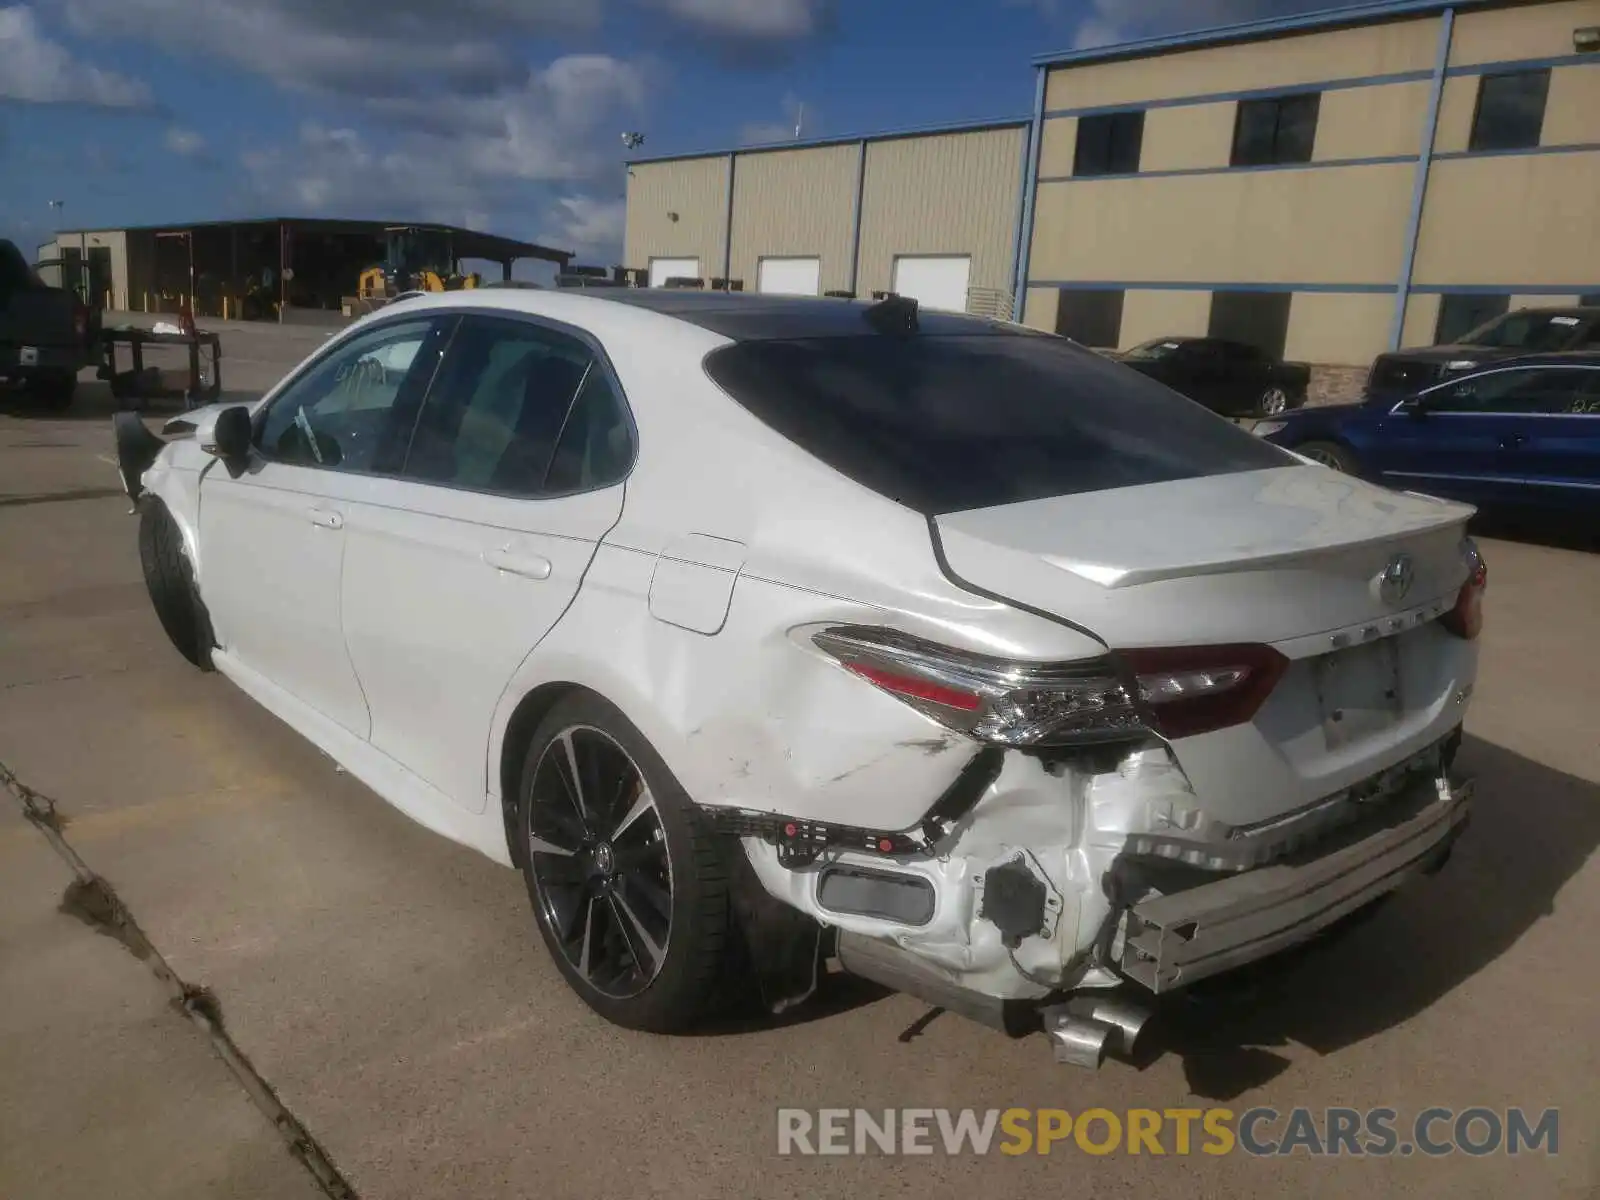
x=270 y=268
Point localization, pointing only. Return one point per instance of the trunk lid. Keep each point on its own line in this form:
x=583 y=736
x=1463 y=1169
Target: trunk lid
x=1295 y=557
x=1258 y=556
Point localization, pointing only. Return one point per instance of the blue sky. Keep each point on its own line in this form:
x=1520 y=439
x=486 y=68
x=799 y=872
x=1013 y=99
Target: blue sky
x=497 y=114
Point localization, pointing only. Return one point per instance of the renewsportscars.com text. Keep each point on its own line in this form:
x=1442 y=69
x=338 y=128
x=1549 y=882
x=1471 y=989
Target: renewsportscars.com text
x=1261 y=1132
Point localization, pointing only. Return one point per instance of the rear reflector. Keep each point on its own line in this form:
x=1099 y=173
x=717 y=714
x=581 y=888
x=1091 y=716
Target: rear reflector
x=913 y=688
x=1190 y=690
x=1465 y=620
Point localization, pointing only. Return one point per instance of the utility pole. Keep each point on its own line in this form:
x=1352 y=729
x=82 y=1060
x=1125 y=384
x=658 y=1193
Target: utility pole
x=799 y=120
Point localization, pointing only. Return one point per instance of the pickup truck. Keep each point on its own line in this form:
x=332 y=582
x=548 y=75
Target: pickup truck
x=1522 y=331
x=47 y=333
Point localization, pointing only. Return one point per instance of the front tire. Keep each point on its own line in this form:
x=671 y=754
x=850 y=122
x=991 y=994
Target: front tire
x=1330 y=454
x=169 y=579
x=628 y=883
x=1274 y=402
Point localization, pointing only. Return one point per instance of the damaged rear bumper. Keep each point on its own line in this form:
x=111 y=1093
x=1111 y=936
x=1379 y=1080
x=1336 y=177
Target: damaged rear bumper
x=1173 y=940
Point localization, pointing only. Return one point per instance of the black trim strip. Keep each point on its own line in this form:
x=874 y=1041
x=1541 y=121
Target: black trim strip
x=949 y=573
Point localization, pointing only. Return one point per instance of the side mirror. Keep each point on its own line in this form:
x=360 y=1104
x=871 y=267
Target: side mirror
x=231 y=433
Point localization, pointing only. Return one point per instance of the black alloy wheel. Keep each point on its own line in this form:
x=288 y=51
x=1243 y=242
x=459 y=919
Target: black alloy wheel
x=600 y=864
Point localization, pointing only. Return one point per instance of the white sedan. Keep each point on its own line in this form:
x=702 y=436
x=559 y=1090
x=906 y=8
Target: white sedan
x=759 y=630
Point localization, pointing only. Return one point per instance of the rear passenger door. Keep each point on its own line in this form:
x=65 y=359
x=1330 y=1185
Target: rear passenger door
x=454 y=571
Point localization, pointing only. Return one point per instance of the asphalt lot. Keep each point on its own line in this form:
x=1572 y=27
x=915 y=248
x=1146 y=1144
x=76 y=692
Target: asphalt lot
x=390 y=987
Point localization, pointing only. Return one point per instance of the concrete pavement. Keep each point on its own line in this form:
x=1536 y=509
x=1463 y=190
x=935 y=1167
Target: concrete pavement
x=391 y=988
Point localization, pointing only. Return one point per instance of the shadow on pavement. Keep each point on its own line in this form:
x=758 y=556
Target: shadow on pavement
x=1532 y=830
x=1574 y=533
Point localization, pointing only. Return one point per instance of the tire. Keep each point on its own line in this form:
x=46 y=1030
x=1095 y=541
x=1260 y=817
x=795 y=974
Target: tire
x=169 y=578
x=55 y=389
x=631 y=896
x=1274 y=402
x=1330 y=454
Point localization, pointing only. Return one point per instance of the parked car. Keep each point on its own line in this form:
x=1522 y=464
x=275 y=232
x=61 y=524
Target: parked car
x=46 y=332
x=1228 y=377
x=1511 y=335
x=737 y=620
x=1523 y=434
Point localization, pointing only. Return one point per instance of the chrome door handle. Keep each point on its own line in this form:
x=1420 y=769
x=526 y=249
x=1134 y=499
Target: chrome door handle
x=326 y=519
x=530 y=566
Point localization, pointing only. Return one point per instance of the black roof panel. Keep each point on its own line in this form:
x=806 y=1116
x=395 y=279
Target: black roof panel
x=749 y=316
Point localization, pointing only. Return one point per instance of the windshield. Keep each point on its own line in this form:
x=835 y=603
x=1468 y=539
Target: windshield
x=1160 y=348
x=950 y=423
x=1526 y=331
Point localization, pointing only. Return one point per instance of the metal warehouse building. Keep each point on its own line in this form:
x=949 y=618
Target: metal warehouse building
x=1327 y=186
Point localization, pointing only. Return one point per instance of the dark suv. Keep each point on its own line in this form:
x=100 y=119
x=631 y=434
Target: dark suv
x=1523 y=331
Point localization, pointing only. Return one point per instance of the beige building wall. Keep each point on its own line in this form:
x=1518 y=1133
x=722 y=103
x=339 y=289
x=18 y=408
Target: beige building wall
x=952 y=193
x=1530 y=31
x=1187 y=137
x=1244 y=225
x=678 y=209
x=116 y=240
x=1512 y=219
x=1040 y=306
x=1422 y=318
x=1371 y=122
x=795 y=203
x=1149 y=313
x=1572 y=114
x=1057 y=145
x=1335 y=327
x=1390 y=48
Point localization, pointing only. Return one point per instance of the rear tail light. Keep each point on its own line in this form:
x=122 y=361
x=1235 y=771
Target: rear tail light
x=1465 y=620
x=1198 y=689
x=1172 y=692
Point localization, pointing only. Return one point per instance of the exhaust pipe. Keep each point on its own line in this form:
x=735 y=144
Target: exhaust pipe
x=1087 y=1027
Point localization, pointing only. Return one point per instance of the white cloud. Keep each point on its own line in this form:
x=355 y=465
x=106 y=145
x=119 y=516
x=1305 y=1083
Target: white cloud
x=36 y=70
x=589 y=225
x=185 y=143
x=767 y=20
x=756 y=133
x=350 y=47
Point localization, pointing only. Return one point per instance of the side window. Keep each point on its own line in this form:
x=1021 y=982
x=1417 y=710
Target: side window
x=353 y=410
x=513 y=399
x=1512 y=392
x=596 y=447
x=1587 y=402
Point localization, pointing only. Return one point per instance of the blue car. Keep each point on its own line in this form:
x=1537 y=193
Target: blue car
x=1520 y=436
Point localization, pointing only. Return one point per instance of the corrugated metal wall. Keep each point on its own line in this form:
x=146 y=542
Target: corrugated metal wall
x=795 y=203
x=953 y=193
x=695 y=190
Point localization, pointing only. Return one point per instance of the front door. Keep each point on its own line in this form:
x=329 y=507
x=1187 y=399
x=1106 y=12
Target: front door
x=456 y=570
x=272 y=540
x=1470 y=439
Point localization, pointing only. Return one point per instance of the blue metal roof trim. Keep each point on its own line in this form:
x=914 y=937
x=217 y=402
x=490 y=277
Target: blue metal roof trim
x=883 y=135
x=1248 y=31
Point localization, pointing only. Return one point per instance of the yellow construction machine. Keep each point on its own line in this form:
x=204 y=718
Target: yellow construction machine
x=415 y=260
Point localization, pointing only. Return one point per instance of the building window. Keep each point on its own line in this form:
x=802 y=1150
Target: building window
x=1510 y=112
x=1259 y=319
x=1459 y=315
x=1091 y=318
x=1591 y=300
x=1279 y=130
x=1109 y=144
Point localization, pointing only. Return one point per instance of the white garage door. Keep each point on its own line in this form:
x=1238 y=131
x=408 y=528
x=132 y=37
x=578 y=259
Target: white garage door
x=663 y=269
x=934 y=280
x=790 y=276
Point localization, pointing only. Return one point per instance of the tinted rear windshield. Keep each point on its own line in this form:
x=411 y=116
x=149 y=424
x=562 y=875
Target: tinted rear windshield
x=950 y=423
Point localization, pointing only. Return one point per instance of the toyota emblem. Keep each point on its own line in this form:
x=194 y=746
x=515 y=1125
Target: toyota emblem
x=1395 y=582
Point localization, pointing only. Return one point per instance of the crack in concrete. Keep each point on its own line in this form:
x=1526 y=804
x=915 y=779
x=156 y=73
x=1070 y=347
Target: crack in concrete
x=60 y=497
x=92 y=900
